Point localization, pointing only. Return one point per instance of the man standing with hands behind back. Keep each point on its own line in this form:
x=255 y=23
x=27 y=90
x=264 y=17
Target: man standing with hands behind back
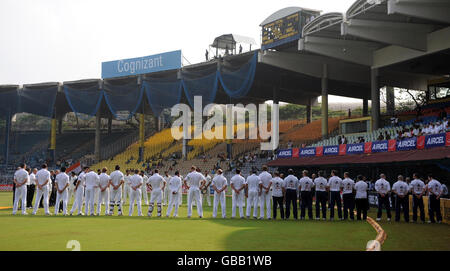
x=266 y=195
x=20 y=180
x=61 y=184
x=42 y=182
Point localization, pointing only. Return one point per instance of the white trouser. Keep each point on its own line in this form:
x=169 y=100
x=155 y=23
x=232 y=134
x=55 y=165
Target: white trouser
x=194 y=194
x=252 y=201
x=96 y=195
x=39 y=194
x=237 y=200
x=173 y=200
x=265 y=199
x=180 y=196
x=144 y=193
x=135 y=195
x=115 y=199
x=207 y=195
x=156 y=196
x=70 y=192
x=20 y=194
x=78 y=203
x=64 y=196
x=219 y=198
x=89 y=201
x=126 y=192
x=103 y=197
x=165 y=195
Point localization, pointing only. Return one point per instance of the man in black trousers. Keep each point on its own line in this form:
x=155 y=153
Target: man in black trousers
x=306 y=185
x=31 y=187
x=321 y=195
x=417 y=189
x=291 y=186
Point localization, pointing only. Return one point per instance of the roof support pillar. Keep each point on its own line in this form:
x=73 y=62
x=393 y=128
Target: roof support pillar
x=308 y=111
x=7 y=134
x=375 y=96
x=324 y=114
x=390 y=100
x=365 y=107
x=98 y=120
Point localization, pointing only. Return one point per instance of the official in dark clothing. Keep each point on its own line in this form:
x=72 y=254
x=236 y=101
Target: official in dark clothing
x=417 y=187
x=306 y=185
x=31 y=187
x=320 y=184
x=291 y=186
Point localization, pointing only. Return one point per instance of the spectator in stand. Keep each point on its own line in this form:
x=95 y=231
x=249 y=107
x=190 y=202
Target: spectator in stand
x=386 y=136
x=399 y=135
x=380 y=137
x=443 y=114
x=406 y=134
x=394 y=120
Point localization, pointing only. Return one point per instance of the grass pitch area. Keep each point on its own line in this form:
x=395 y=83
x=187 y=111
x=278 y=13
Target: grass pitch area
x=143 y=233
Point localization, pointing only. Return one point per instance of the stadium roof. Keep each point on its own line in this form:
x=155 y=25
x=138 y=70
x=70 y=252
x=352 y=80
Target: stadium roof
x=361 y=159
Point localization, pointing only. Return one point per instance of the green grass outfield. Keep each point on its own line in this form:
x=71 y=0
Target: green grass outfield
x=142 y=233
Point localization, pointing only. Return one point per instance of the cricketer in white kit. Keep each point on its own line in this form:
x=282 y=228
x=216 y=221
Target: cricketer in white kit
x=252 y=184
x=144 y=186
x=103 y=185
x=173 y=185
x=237 y=184
x=62 y=183
x=157 y=184
x=266 y=193
x=117 y=180
x=21 y=178
x=197 y=182
x=42 y=183
x=165 y=197
x=79 y=193
x=219 y=184
x=91 y=180
x=136 y=182
x=126 y=191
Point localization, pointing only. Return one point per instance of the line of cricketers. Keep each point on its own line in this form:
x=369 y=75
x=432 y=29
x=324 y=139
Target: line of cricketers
x=264 y=191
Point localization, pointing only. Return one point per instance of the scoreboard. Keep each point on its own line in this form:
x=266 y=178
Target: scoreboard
x=285 y=30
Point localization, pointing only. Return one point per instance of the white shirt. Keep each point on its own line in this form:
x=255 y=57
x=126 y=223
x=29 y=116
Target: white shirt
x=104 y=179
x=253 y=182
x=145 y=181
x=306 y=184
x=62 y=179
x=266 y=178
x=194 y=178
x=42 y=176
x=382 y=186
x=320 y=183
x=156 y=181
x=335 y=183
x=291 y=182
x=167 y=179
x=238 y=181
x=21 y=175
x=91 y=179
x=32 y=179
x=435 y=187
x=116 y=176
x=174 y=184
x=135 y=180
x=417 y=186
x=347 y=185
x=219 y=181
x=127 y=179
x=401 y=188
x=277 y=184
x=361 y=190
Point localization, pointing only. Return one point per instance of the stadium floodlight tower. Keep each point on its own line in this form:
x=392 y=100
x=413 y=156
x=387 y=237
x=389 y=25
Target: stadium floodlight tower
x=228 y=43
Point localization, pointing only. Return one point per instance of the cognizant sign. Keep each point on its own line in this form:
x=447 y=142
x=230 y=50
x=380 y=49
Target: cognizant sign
x=142 y=65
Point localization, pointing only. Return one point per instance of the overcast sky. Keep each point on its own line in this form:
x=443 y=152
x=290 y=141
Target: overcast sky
x=49 y=40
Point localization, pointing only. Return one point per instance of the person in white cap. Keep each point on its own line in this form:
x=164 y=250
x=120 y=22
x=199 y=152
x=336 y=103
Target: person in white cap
x=42 y=183
x=117 y=180
x=417 y=187
x=79 y=193
x=401 y=190
x=266 y=193
x=237 y=184
x=136 y=182
x=157 y=184
x=21 y=179
x=219 y=184
x=173 y=185
x=91 y=179
x=253 y=191
x=196 y=182
x=62 y=183
x=103 y=185
x=383 y=188
x=348 y=196
x=435 y=190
